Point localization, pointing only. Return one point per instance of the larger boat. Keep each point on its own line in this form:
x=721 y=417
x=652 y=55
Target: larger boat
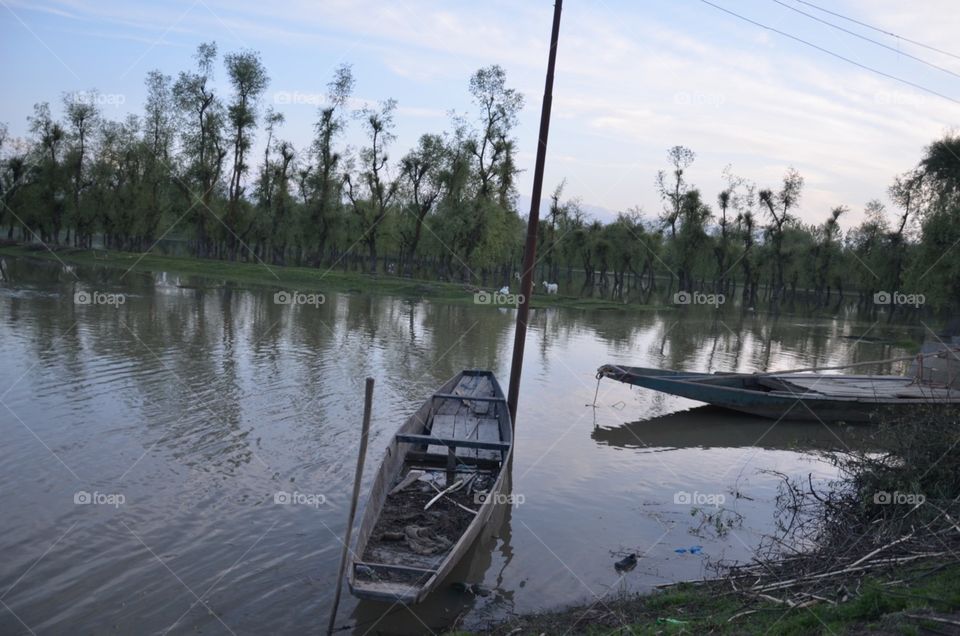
x=441 y=476
x=934 y=380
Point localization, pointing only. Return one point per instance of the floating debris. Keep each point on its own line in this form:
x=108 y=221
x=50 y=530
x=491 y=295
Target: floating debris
x=626 y=564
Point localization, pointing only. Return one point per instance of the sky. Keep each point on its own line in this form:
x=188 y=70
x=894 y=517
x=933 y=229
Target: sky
x=633 y=79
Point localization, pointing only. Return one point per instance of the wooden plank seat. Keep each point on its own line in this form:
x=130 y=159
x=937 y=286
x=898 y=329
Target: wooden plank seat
x=410 y=438
x=472 y=398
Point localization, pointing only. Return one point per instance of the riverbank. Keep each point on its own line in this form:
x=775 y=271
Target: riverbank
x=924 y=598
x=306 y=279
x=876 y=550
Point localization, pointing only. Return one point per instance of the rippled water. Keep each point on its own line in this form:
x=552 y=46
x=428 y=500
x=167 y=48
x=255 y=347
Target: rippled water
x=184 y=411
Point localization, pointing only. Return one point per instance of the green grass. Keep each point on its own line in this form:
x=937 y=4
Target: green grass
x=692 y=609
x=306 y=279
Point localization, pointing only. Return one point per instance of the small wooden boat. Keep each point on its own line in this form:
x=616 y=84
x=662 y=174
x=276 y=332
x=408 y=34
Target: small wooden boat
x=934 y=380
x=441 y=476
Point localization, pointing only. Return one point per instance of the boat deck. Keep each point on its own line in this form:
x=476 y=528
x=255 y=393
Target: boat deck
x=856 y=386
x=465 y=418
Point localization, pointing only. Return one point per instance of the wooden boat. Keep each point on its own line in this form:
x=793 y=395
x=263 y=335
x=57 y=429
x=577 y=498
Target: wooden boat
x=935 y=380
x=461 y=439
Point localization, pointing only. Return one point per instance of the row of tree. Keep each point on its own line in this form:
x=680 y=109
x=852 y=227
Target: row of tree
x=183 y=171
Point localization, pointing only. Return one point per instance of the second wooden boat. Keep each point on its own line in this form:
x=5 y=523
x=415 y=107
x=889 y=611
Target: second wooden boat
x=934 y=380
x=441 y=476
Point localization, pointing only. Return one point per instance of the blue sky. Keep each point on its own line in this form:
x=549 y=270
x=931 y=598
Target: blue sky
x=633 y=79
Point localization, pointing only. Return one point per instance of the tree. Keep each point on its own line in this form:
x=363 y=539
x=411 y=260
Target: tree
x=82 y=118
x=778 y=206
x=825 y=254
x=202 y=139
x=499 y=107
x=158 y=134
x=371 y=196
x=249 y=79
x=50 y=137
x=321 y=182
x=494 y=169
x=422 y=172
x=673 y=187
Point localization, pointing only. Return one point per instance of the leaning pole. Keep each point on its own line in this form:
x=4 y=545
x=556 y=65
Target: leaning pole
x=530 y=250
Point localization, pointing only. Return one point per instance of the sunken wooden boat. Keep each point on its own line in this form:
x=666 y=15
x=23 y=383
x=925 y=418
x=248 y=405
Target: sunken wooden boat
x=441 y=476
x=934 y=380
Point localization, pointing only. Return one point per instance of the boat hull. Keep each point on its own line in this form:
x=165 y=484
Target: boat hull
x=745 y=394
x=394 y=462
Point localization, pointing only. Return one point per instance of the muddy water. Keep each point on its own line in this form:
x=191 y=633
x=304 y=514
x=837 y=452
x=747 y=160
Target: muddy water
x=145 y=443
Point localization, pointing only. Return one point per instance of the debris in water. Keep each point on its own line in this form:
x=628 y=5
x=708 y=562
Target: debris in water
x=626 y=564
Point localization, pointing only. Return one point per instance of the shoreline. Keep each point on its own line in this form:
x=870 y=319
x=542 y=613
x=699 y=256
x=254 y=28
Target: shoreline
x=910 y=599
x=308 y=279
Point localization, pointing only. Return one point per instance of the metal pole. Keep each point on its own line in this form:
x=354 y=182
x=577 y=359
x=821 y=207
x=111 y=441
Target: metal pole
x=357 y=478
x=530 y=251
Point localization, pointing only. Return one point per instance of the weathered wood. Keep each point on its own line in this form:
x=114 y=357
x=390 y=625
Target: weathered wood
x=472 y=398
x=408 y=438
x=440 y=431
x=488 y=430
x=358 y=476
x=418 y=459
x=392 y=567
x=794 y=396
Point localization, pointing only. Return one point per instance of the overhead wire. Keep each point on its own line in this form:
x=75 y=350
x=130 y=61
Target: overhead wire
x=879 y=30
x=832 y=53
x=871 y=40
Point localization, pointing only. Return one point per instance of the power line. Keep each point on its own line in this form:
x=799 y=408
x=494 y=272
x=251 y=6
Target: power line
x=863 y=37
x=831 y=53
x=879 y=30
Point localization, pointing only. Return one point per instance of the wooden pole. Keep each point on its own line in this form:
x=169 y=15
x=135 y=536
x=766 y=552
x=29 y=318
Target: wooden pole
x=357 y=478
x=530 y=251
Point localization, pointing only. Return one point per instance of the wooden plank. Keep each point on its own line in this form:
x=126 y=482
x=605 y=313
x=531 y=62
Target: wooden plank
x=393 y=567
x=443 y=426
x=475 y=398
x=488 y=430
x=418 y=459
x=408 y=438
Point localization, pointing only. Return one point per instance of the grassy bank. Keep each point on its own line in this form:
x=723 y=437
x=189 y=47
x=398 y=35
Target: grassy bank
x=306 y=279
x=922 y=599
x=882 y=553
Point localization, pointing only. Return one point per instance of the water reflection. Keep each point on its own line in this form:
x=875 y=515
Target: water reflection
x=712 y=427
x=198 y=400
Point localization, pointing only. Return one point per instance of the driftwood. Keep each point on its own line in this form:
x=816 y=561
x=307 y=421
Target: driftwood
x=411 y=477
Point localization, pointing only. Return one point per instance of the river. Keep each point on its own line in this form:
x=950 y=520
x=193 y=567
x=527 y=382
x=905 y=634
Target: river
x=149 y=422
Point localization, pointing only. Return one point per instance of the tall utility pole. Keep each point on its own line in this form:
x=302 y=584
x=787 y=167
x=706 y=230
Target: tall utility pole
x=530 y=251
